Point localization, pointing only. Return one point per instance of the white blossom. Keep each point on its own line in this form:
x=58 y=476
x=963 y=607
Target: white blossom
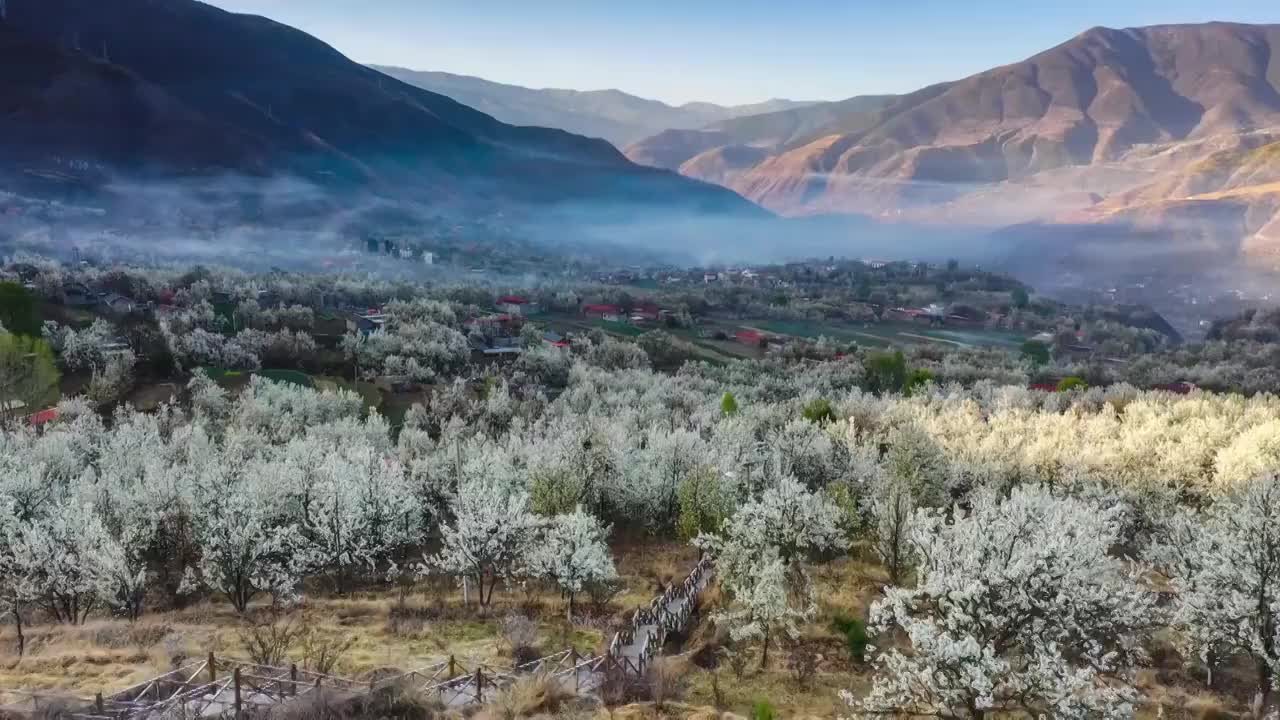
x=1019 y=607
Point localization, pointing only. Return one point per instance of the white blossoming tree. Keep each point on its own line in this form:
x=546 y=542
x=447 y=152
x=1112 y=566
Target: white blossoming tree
x=245 y=550
x=1019 y=609
x=912 y=478
x=572 y=553
x=763 y=606
x=761 y=555
x=794 y=522
x=1224 y=564
x=490 y=538
x=59 y=560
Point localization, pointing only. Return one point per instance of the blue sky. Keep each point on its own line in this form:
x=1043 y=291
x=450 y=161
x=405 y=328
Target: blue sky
x=727 y=51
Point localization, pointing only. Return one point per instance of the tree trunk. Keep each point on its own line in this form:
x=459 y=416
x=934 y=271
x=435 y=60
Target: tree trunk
x=17 y=614
x=569 y=614
x=764 y=656
x=1262 y=702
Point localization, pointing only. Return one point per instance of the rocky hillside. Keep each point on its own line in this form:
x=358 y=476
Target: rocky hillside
x=1150 y=133
x=613 y=115
x=771 y=131
x=180 y=89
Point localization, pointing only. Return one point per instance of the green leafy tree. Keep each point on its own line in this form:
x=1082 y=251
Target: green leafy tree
x=18 y=310
x=819 y=411
x=704 y=504
x=728 y=405
x=28 y=377
x=917 y=379
x=1036 y=352
x=854 y=632
x=1068 y=384
x=886 y=372
x=662 y=349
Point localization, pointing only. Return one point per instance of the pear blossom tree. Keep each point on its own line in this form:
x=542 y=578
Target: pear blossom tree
x=760 y=558
x=790 y=520
x=490 y=538
x=1019 y=608
x=59 y=557
x=913 y=477
x=572 y=553
x=18 y=588
x=763 y=607
x=360 y=514
x=1224 y=564
x=245 y=549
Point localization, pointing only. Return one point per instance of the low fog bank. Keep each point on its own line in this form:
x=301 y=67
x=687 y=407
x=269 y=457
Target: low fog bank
x=292 y=223
x=1183 y=267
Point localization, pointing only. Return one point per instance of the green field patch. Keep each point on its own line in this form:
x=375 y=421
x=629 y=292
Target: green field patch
x=293 y=377
x=619 y=328
x=888 y=333
x=369 y=393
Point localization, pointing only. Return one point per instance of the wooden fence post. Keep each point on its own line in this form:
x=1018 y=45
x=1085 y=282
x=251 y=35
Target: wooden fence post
x=235 y=679
x=293 y=679
x=453 y=668
x=97 y=704
x=479 y=685
x=213 y=668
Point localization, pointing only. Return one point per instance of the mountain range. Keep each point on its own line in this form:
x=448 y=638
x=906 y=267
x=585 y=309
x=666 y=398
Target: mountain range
x=1153 y=132
x=613 y=115
x=94 y=93
x=1167 y=136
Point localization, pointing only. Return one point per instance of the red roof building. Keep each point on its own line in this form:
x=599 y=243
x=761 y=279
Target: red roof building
x=601 y=310
x=749 y=337
x=513 y=300
x=44 y=417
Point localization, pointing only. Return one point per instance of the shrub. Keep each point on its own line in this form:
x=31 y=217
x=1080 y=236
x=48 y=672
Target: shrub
x=855 y=636
x=819 y=411
x=323 y=653
x=268 y=641
x=728 y=405
x=667 y=679
x=917 y=379
x=803 y=664
x=602 y=592
x=1068 y=384
x=763 y=710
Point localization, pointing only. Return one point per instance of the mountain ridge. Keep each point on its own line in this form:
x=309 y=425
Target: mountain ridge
x=1065 y=136
x=611 y=114
x=178 y=88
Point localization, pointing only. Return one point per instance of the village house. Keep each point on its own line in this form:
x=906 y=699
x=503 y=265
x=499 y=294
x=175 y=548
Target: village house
x=608 y=313
x=78 y=295
x=646 y=313
x=117 y=304
x=516 y=305
x=367 y=321
x=750 y=338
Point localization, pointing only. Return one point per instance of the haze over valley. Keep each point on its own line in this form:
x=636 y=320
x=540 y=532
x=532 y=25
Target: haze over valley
x=538 y=361
x=1135 y=163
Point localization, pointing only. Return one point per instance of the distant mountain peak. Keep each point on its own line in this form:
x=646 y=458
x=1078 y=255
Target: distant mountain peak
x=611 y=114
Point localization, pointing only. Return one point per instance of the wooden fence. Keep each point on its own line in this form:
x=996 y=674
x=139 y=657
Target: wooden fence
x=229 y=687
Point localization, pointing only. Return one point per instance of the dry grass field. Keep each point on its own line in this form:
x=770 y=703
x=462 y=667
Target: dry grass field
x=372 y=632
